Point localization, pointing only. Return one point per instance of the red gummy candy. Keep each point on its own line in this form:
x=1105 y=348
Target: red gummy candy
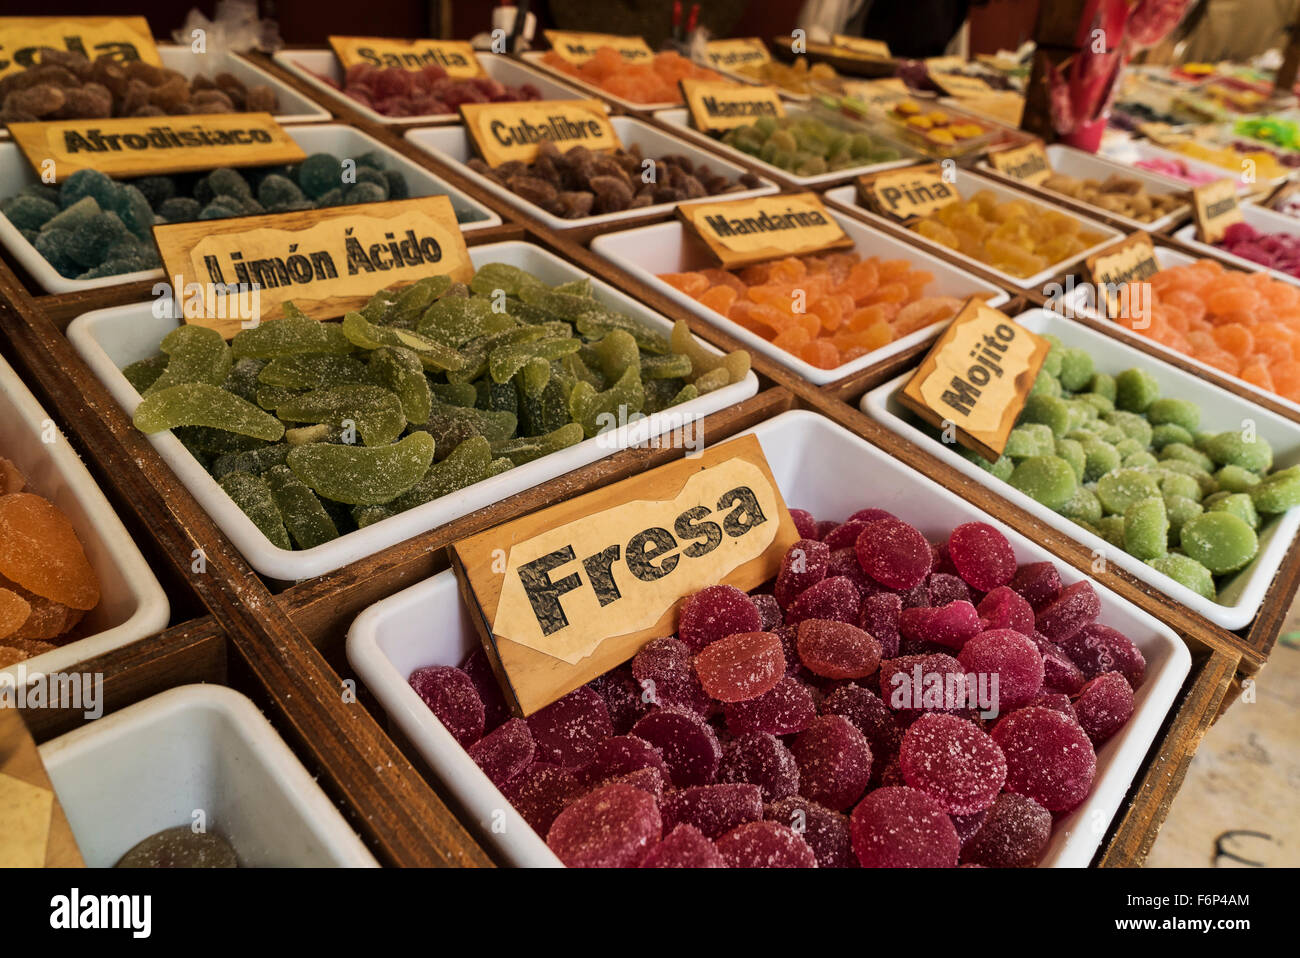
x=789 y=635
x=880 y=617
x=1060 y=674
x=689 y=747
x=894 y=553
x=624 y=697
x=968 y=825
x=713 y=809
x=540 y=792
x=667 y=678
x=758 y=758
x=741 y=666
x=901 y=827
x=804 y=523
x=1049 y=757
x=1013 y=834
x=834 y=762
x=714 y=613
x=825 y=831
x=1104 y=705
x=844 y=535
x=1015 y=660
x=477 y=667
x=504 y=752
x=837 y=650
x=765 y=845
x=982 y=555
x=942 y=588
x=649 y=780
x=1057 y=702
x=609 y=828
x=1005 y=608
x=1077 y=606
x=803 y=565
x=952 y=761
x=870 y=716
x=452 y=697
x=825 y=527
x=684 y=847
x=568 y=731
x=870 y=515
x=943 y=685
x=787 y=708
x=1038 y=582
x=844 y=564
x=832 y=598
x=619 y=755
x=769 y=612
x=952 y=625
x=1098 y=648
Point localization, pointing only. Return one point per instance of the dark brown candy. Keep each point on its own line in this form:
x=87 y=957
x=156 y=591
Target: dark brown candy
x=181 y=847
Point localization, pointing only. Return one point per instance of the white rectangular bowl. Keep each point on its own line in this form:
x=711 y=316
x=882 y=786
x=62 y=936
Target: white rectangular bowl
x=310 y=65
x=195 y=748
x=812 y=459
x=1241 y=597
x=680 y=120
x=968 y=184
x=1262 y=219
x=450 y=145
x=336 y=138
x=132 y=604
x=1129 y=151
x=534 y=59
x=663 y=248
x=1082 y=165
x=109 y=339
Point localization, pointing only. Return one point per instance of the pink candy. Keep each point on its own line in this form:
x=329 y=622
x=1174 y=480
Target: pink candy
x=684 y=847
x=837 y=650
x=981 y=555
x=1098 y=648
x=1076 y=606
x=894 y=553
x=787 y=708
x=540 y=792
x=758 y=758
x=900 y=827
x=1005 y=608
x=952 y=625
x=832 y=598
x=568 y=731
x=689 y=747
x=611 y=827
x=667 y=678
x=504 y=752
x=803 y=565
x=1104 y=705
x=834 y=762
x=1049 y=757
x=954 y=762
x=1012 y=835
x=451 y=695
x=715 y=613
x=741 y=666
x=713 y=809
x=825 y=831
x=765 y=845
x=1013 y=658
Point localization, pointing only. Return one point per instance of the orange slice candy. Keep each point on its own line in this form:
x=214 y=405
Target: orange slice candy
x=40 y=551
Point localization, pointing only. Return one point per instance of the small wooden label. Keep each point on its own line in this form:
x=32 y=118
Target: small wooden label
x=1028 y=163
x=455 y=56
x=1216 y=209
x=959 y=84
x=719 y=105
x=945 y=64
x=589 y=581
x=36 y=831
x=977 y=377
x=578 y=48
x=740 y=52
x=126 y=38
x=743 y=232
x=1131 y=260
x=515 y=131
x=905 y=194
x=326 y=261
x=862 y=46
x=1162 y=133
x=155 y=145
x=881 y=93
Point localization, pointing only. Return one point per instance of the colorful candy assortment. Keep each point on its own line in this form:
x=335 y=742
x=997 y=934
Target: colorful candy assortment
x=780 y=729
x=1279 y=251
x=1177 y=170
x=653 y=82
x=392 y=91
x=808 y=146
x=1121 y=195
x=1262 y=163
x=827 y=310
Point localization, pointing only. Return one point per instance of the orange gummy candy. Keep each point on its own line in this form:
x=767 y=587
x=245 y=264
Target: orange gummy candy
x=39 y=550
x=11 y=478
x=14 y=610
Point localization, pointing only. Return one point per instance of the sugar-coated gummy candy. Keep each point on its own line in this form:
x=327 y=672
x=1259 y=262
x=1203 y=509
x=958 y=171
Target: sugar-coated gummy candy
x=202 y=404
x=569 y=730
x=761 y=759
x=620 y=755
x=902 y=827
x=835 y=598
x=941 y=676
x=770 y=617
x=825 y=831
x=894 y=553
x=667 y=678
x=1004 y=608
x=805 y=523
x=688 y=744
x=953 y=761
x=881 y=614
x=504 y=752
x=40 y=551
x=944 y=587
x=1013 y=657
x=982 y=555
x=611 y=827
x=951 y=625
x=870 y=716
x=1104 y=705
x=1097 y=648
x=714 y=613
x=837 y=650
x=477 y=667
x=1146 y=528
x=1049 y=757
x=452 y=697
x=1220 y=541
x=1060 y=673
x=304 y=518
x=1135 y=390
x=1239 y=504
x=834 y=761
x=1076 y=606
x=713 y=809
x=361 y=475
x=252 y=494
x=741 y=666
x=649 y=780
x=1038 y=582
x=1046 y=479
x=181 y=847
x=803 y=565
x=683 y=847
x=844 y=564
x=788 y=707
x=765 y=844
x=540 y=792
x=1013 y=834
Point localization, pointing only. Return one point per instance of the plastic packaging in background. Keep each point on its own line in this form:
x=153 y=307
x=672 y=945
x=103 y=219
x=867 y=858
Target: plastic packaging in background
x=237 y=29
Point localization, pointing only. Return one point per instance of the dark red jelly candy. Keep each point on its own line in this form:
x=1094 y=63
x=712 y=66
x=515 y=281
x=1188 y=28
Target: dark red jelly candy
x=870 y=515
x=1104 y=705
x=568 y=731
x=504 y=752
x=1038 y=582
x=611 y=827
x=477 y=667
x=765 y=845
x=952 y=761
x=943 y=588
x=1012 y=835
x=713 y=809
x=619 y=755
x=1005 y=608
x=1060 y=674
x=1098 y=648
x=741 y=666
x=804 y=523
x=684 y=847
x=1049 y=757
x=845 y=534
x=832 y=598
x=540 y=792
x=952 y=625
x=880 y=617
x=758 y=758
x=844 y=564
x=982 y=555
x=1013 y=658
x=787 y=708
x=968 y=825
x=1076 y=607
x=900 y=827
x=1057 y=702
x=837 y=650
x=452 y=697
x=769 y=612
x=834 y=762
x=649 y=780
x=825 y=831
x=689 y=747
x=870 y=716
x=624 y=697
x=825 y=527
x=714 y=613
x=924 y=683
x=789 y=636
x=894 y=553
x=667 y=678
x=803 y=565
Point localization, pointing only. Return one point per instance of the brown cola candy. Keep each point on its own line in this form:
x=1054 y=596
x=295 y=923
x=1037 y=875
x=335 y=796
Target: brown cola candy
x=181 y=847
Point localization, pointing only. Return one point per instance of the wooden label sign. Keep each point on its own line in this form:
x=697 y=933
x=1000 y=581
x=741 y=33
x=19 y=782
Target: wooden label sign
x=743 y=232
x=326 y=261
x=36 y=831
x=905 y=194
x=719 y=105
x=588 y=582
x=155 y=145
x=959 y=84
x=1162 y=133
x=1028 y=163
x=977 y=377
x=1132 y=259
x=126 y=38
x=945 y=64
x=862 y=46
x=578 y=48
x=515 y=131
x=455 y=56
x=742 y=52
x=882 y=93
x=1216 y=209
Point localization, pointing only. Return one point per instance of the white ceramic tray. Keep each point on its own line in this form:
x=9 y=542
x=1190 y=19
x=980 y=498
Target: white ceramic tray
x=1241 y=597
x=109 y=339
x=339 y=139
x=196 y=748
x=663 y=248
x=1264 y=220
x=450 y=144
x=132 y=604
x=310 y=65
x=680 y=120
x=534 y=59
x=968 y=184
x=810 y=458
x=1129 y=151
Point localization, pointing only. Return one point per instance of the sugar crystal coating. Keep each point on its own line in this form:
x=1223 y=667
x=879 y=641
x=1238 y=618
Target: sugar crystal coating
x=1060 y=673
x=1049 y=757
x=1015 y=660
x=952 y=625
x=741 y=666
x=611 y=827
x=765 y=845
x=844 y=564
x=477 y=667
x=1038 y=582
x=870 y=716
x=688 y=744
x=683 y=847
x=834 y=761
x=624 y=698
x=804 y=523
x=803 y=565
x=954 y=762
x=714 y=613
x=1104 y=705
x=901 y=827
x=451 y=695
x=825 y=831
x=1098 y=648
x=837 y=650
x=540 y=792
x=881 y=614
x=504 y=752
x=667 y=678
x=786 y=708
x=620 y=755
x=982 y=555
x=835 y=598
x=1013 y=834
x=894 y=553
x=568 y=731
x=649 y=780
x=769 y=612
x=1076 y=606
x=845 y=535
x=761 y=759
x=713 y=809
x=944 y=587
x=40 y=551
x=968 y=825
x=935 y=682
x=1004 y=608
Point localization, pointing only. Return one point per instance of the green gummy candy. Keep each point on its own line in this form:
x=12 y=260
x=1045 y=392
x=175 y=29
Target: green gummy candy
x=1097 y=402
x=1045 y=385
x=1220 y=541
x=1139 y=460
x=1135 y=390
x=488 y=423
x=1186 y=571
x=1133 y=426
x=433 y=354
x=527 y=448
x=594 y=323
x=1177 y=484
x=1180 y=509
x=534 y=377
x=713 y=379
x=1112 y=434
x=704 y=360
x=1175 y=412
x=1167 y=433
x=1002 y=468
x=1236 y=479
x=376 y=412
x=312 y=371
x=454 y=394
x=305 y=519
x=672 y=366
x=505 y=361
x=256 y=461
x=1031 y=439
x=1146 y=529
x=1240 y=505
x=511 y=279
x=1050 y=411
x=1100 y=458
x=1046 y=479
x=145 y=372
x=614 y=352
x=1185 y=453
x=1203 y=478
x=399 y=370
x=1084 y=506
x=1234 y=449
x=363 y=475
x=1076 y=369
x=1276 y=493
x=576 y=287
x=1071 y=450
x=1126 y=447
x=253 y=496
x=470 y=462
x=200 y=404
x=1055 y=356
x=1122 y=488
x=242 y=380
x=596 y=411
x=288 y=337
x=1111 y=528
x=1104 y=385
x=195 y=354
x=454 y=322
